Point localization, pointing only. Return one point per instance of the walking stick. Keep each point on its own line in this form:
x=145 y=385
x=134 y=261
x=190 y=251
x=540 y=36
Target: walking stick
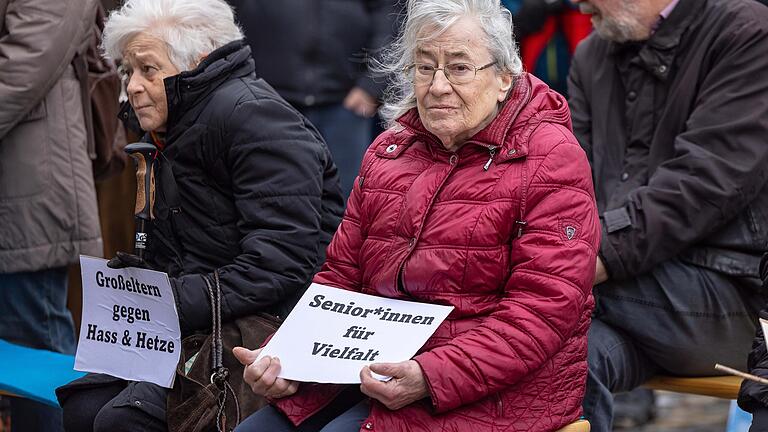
x=144 y=157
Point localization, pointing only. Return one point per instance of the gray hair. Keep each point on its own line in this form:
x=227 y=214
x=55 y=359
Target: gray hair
x=437 y=16
x=189 y=28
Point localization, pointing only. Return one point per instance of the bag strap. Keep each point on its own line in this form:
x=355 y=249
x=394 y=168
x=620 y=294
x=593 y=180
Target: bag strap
x=219 y=373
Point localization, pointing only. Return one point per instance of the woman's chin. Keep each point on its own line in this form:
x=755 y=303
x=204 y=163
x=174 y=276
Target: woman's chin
x=441 y=127
x=150 y=125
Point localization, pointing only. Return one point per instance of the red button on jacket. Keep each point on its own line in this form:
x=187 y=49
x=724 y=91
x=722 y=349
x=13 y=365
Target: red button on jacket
x=506 y=230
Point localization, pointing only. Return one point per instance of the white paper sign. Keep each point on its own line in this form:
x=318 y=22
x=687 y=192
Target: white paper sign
x=130 y=328
x=332 y=333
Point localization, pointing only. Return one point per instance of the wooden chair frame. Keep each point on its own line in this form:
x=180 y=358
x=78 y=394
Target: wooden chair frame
x=724 y=387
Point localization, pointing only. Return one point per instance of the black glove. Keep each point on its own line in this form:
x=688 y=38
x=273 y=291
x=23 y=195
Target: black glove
x=124 y=259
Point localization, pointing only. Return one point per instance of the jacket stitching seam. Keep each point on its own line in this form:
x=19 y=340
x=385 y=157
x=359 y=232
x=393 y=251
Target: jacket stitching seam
x=557 y=234
x=535 y=173
x=511 y=348
x=688 y=313
x=469 y=201
x=540 y=316
x=474 y=364
x=384 y=191
x=468 y=247
x=561 y=186
x=551 y=275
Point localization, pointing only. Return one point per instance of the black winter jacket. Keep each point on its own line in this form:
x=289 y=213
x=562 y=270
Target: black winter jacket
x=676 y=129
x=313 y=52
x=246 y=186
x=753 y=396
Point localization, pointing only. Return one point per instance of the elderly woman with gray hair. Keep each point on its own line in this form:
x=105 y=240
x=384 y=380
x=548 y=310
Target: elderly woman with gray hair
x=477 y=196
x=246 y=187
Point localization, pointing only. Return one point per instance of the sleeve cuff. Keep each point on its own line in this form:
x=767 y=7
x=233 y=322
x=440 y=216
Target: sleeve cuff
x=610 y=257
x=192 y=303
x=616 y=219
x=432 y=377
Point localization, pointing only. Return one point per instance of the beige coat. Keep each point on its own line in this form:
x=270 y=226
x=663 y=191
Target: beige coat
x=48 y=213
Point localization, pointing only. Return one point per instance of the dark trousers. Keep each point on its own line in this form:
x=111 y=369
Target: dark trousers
x=678 y=319
x=345 y=414
x=118 y=406
x=759 y=421
x=33 y=313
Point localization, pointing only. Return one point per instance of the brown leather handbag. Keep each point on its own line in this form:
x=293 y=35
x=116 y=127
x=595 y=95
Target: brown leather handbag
x=209 y=393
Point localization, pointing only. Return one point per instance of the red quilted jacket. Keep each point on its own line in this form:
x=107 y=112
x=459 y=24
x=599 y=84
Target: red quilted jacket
x=506 y=230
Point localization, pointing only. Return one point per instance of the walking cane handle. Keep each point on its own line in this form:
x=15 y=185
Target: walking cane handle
x=144 y=156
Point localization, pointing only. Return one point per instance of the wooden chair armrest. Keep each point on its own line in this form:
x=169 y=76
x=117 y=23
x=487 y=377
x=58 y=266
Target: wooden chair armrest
x=577 y=426
x=725 y=387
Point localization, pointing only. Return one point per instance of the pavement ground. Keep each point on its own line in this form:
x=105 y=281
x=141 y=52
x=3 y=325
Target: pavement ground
x=686 y=413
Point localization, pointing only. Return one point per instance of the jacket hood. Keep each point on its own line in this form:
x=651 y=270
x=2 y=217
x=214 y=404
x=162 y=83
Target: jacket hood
x=530 y=103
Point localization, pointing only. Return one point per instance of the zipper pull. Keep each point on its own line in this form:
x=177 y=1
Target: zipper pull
x=520 y=225
x=492 y=151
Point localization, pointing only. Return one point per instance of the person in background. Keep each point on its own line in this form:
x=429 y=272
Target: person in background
x=316 y=54
x=548 y=31
x=246 y=188
x=669 y=101
x=477 y=196
x=48 y=213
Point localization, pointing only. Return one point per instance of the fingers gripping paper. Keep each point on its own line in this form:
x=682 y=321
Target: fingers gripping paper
x=332 y=333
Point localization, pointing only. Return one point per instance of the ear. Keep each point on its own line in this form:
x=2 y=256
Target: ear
x=505 y=83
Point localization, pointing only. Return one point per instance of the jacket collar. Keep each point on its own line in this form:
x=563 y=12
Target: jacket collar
x=657 y=54
x=189 y=87
x=496 y=134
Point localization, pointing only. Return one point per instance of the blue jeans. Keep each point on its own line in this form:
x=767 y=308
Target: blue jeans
x=345 y=414
x=347 y=136
x=33 y=313
x=678 y=319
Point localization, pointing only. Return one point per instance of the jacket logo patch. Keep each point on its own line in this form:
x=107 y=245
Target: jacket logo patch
x=570 y=231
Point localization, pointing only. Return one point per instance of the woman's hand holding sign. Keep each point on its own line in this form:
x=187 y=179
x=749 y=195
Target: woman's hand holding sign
x=262 y=375
x=406 y=386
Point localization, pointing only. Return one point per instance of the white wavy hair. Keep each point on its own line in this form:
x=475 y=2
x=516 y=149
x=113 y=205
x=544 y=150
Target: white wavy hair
x=189 y=28
x=427 y=19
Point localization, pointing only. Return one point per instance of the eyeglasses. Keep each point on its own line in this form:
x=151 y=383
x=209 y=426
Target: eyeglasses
x=456 y=73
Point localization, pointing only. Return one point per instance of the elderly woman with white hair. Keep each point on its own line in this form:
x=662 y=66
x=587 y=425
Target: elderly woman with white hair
x=477 y=196
x=246 y=188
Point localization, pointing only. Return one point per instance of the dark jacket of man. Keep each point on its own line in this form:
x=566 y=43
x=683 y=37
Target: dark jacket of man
x=314 y=51
x=246 y=186
x=48 y=213
x=676 y=129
